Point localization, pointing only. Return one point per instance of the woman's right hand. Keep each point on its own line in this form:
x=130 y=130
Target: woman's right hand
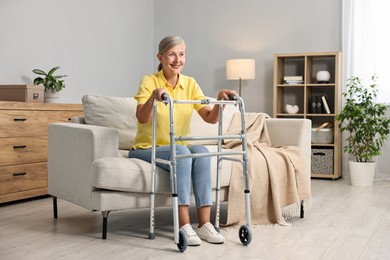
x=157 y=93
x=144 y=111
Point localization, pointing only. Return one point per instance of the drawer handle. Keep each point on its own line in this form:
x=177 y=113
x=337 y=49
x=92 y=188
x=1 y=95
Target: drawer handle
x=20 y=146
x=322 y=154
x=20 y=119
x=19 y=174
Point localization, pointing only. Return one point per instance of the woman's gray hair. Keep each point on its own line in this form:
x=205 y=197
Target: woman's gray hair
x=167 y=43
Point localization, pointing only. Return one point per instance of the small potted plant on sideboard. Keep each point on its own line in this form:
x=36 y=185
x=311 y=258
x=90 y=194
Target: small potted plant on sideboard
x=367 y=126
x=53 y=84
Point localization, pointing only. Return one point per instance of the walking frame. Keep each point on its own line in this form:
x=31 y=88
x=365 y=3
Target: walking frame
x=245 y=233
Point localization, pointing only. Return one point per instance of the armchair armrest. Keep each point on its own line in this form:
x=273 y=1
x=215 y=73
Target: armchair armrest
x=288 y=132
x=71 y=150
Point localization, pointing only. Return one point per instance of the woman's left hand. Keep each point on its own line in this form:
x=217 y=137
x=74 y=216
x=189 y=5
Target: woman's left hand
x=223 y=94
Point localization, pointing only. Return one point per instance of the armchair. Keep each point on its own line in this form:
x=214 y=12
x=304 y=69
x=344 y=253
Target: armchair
x=88 y=164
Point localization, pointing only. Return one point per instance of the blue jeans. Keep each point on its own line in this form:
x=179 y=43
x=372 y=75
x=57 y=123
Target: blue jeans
x=197 y=170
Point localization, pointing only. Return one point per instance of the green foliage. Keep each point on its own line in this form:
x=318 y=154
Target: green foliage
x=50 y=81
x=364 y=120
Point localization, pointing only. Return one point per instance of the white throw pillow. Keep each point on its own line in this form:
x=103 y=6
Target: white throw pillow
x=114 y=112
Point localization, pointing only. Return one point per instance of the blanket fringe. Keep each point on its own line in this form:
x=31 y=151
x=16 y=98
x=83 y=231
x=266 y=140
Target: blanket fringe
x=293 y=210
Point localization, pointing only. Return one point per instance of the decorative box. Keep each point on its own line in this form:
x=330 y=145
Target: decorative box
x=22 y=92
x=321 y=161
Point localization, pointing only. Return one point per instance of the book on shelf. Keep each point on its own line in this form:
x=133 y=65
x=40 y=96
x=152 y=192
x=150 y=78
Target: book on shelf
x=319 y=104
x=325 y=104
x=316 y=104
x=293 y=79
x=313 y=104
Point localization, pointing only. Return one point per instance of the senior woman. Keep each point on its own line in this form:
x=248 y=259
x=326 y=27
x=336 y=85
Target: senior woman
x=168 y=79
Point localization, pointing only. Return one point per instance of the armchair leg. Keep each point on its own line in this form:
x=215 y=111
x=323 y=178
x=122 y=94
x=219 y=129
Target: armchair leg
x=104 y=230
x=302 y=215
x=55 y=212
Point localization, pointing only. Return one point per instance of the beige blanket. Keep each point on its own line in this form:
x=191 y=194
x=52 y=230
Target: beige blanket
x=278 y=176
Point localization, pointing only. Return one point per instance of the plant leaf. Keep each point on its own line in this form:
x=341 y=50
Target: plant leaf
x=39 y=72
x=52 y=71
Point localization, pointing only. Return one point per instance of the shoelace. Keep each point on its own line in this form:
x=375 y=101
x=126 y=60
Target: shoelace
x=189 y=231
x=211 y=229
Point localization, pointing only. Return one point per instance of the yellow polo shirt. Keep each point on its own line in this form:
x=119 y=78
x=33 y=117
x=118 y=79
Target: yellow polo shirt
x=186 y=89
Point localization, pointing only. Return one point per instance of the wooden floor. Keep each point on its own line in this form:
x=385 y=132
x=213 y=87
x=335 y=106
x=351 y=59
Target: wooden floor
x=345 y=222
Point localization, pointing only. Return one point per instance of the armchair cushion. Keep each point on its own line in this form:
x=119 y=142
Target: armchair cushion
x=134 y=175
x=130 y=175
x=113 y=112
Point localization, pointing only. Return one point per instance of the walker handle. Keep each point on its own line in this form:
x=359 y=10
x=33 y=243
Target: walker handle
x=164 y=97
x=232 y=97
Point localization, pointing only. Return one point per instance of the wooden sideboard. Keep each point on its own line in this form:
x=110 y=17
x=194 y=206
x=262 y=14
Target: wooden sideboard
x=23 y=146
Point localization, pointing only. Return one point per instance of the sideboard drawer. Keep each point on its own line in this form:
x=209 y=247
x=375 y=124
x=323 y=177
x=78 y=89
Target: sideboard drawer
x=23 y=123
x=23 y=150
x=18 y=178
x=62 y=116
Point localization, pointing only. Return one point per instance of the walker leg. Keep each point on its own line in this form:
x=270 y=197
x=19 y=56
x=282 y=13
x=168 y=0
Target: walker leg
x=219 y=168
x=175 y=208
x=179 y=237
x=152 y=235
x=217 y=197
x=217 y=210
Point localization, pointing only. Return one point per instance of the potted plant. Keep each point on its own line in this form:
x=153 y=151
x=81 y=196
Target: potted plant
x=367 y=126
x=52 y=83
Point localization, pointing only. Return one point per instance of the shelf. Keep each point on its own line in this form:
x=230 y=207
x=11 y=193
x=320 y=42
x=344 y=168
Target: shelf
x=290 y=115
x=307 y=65
x=325 y=176
x=331 y=85
x=322 y=145
x=290 y=85
x=313 y=115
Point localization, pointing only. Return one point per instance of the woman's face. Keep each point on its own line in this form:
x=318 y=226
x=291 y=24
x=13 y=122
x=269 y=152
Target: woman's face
x=173 y=60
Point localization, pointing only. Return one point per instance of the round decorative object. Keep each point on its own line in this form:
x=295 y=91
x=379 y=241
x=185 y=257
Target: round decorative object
x=323 y=76
x=292 y=109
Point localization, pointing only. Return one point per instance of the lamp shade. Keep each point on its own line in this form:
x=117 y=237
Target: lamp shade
x=240 y=69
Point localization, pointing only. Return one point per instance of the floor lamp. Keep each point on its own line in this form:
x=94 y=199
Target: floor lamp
x=240 y=69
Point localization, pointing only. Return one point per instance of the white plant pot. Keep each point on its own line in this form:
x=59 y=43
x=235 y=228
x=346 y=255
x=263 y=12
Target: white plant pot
x=362 y=173
x=51 y=96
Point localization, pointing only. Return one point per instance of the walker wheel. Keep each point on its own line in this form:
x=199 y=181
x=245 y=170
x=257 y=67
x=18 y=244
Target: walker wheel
x=245 y=235
x=183 y=242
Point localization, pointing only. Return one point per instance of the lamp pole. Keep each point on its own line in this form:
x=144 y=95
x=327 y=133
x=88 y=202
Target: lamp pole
x=239 y=87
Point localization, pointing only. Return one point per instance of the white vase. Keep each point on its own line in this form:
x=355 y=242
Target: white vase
x=362 y=173
x=323 y=76
x=51 y=96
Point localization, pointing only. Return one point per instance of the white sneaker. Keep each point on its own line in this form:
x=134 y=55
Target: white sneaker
x=207 y=232
x=192 y=237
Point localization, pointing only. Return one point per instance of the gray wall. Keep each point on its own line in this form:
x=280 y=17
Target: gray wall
x=218 y=30
x=105 y=46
